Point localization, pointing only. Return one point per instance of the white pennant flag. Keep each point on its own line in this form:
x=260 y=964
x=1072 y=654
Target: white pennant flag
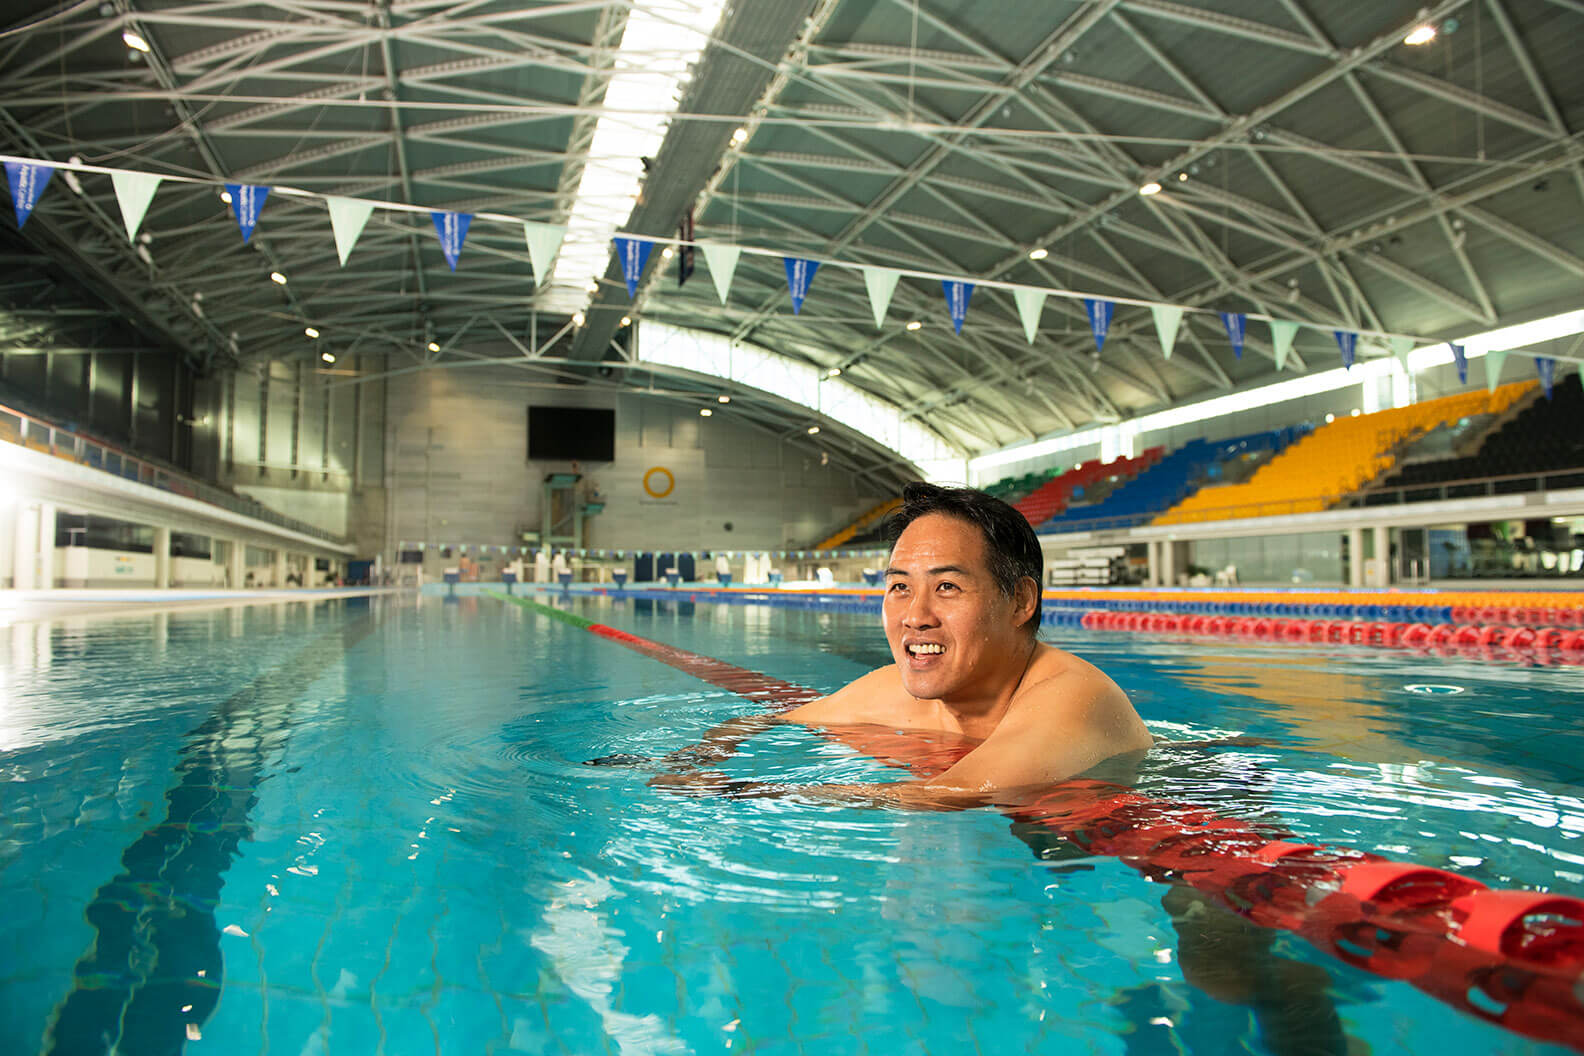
x=134 y=190
x=881 y=283
x=1493 y=365
x=1168 y=317
x=1282 y=334
x=722 y=262
x=1400 y=347
x=347 y=217
x=1029 y=305
x=544 y=242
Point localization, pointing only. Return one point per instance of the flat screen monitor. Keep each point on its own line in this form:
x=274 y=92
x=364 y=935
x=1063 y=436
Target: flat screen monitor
x=561 y=434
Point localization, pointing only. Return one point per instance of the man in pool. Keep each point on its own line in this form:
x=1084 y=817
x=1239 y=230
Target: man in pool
x=961 y=615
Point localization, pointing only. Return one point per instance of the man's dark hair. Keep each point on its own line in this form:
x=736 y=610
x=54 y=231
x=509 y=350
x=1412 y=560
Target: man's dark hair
x=1012 y=550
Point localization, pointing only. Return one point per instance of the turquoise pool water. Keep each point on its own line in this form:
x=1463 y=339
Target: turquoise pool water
x=364 y=827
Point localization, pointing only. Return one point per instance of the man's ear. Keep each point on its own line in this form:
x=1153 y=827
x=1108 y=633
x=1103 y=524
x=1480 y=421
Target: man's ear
x=1026 y=600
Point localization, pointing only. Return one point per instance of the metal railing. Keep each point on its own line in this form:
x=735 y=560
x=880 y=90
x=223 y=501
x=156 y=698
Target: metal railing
x=38 y=435
x=1473 y=487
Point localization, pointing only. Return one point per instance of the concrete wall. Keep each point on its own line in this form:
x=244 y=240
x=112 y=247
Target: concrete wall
x=458 y=472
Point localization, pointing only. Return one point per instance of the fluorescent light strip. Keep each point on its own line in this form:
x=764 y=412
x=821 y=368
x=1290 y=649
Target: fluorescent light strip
x=662 y=40
x=1475 y=345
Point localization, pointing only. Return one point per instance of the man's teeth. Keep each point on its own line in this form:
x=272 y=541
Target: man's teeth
x=930 y=647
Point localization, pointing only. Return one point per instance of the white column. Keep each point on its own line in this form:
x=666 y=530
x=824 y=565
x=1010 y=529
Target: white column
x=1168 y=563
x=162 y=558
x=24 y=561
x=1383 y=555
x=237 y=563
x=280 y=568
x=1355 y=538
x=46 y=547
x=1153 y=578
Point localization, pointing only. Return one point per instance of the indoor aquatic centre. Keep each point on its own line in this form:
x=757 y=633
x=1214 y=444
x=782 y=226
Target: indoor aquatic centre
x=839 y=527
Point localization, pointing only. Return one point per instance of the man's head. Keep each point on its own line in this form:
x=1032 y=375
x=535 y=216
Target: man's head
x=962 y=589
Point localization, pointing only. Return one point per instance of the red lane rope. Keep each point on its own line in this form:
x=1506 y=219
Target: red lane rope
x=1511 y=958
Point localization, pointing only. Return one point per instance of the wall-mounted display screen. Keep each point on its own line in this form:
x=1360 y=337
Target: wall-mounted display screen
x=561 y=434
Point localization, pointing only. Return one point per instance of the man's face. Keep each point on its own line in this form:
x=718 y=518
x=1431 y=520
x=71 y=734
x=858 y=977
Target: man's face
x=951 y=631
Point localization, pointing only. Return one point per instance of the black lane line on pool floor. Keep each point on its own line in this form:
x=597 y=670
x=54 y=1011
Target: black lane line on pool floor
x=153 y=974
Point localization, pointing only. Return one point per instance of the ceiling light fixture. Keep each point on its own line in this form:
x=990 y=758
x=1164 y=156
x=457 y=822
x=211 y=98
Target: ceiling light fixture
x=311 y=331
x=834 y=372
x=723 y=399
x=433 y=346
x=328 y=357
x=668 y=253
x=1182 y=177
x=813 y=430
x=1150 y=188
x=277 y=278
x=137 y=43
x=1039 y=254
x=1420 y=35
x=577 y=318
x=705 y=412
x=740 y=137
x=592 y=287
x=225 y=196
x=914 y=325
x=626 y=320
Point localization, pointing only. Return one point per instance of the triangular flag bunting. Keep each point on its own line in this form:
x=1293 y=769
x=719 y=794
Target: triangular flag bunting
x=957 y=294
x=1546 y=365
x=1493 y=366
x=247 y=200
x=722 y=263
x=1030 y=303
x=1400 y=347
x=881 y=283
x=1461 y=359
x=633 y=254
x=1282 y=334
x=452 y=229
x=27 y=184
x=1235 y=323
x=134 y=191
x=544 y=242
x=1347 y=341
x=800 y=273
x=347 y=218
x=1168 y=317
x=1099 y=319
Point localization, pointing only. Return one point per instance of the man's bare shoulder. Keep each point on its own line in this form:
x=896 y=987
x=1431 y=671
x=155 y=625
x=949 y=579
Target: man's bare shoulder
x=1066 y=688
x=875 y=697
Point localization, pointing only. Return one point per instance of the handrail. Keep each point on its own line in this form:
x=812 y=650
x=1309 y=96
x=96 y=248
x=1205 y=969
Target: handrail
x=40 y=435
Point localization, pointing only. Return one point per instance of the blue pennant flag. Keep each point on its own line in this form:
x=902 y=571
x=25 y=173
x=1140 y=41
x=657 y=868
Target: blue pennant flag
x=452 y=229
x=957 y=294
x=246 y=202
x=1461 y=359
x=633 y=254
x=27 y=184
x=1346 y=340
x=1099 y=319
x=1546 y=365
x=800 y=273
x=1233 y=321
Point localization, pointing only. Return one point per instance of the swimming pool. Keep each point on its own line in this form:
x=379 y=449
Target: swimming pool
x=365 y=827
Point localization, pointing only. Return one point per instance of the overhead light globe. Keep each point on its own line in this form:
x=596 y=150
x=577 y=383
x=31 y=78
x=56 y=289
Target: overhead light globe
x=137 y=43
x=328 y=357
x=1423 y=34
x=1150 y=188
x=723 y=399
x=705 y=412
x=1039 y=254
x=311 y=331
x=813 y=430
x=915 y=325
x=277 y=278
x=433 y=346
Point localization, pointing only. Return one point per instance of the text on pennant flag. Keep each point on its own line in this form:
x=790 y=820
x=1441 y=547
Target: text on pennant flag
x=348 y=216
x=247 y=201
x=1168 y=317
x=633 y=254
x=1546 y=365
x=1099 y=319
x=134 y=191
x=800 y=273
x=1347 y=341
x=881 y=283
x=1282 y=334
x=27 y=185
x=1460 y=357
x=544 y=242
x=722 y=263
x=1030 y=303
x=452 y=229
x=1234 y=323
x=957 y=294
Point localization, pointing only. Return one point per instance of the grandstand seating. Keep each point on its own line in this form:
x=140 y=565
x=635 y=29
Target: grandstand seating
x=1013 y=490
x=866 y=519
x=1336 y=459
x=1052 y=497
x=1169 y=481
x=1542 y=438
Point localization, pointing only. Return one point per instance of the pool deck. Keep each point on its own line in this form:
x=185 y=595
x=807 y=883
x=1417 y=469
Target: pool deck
x=35 y=606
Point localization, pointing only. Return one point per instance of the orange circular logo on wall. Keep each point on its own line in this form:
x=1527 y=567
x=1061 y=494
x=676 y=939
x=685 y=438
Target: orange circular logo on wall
x=658 y=482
